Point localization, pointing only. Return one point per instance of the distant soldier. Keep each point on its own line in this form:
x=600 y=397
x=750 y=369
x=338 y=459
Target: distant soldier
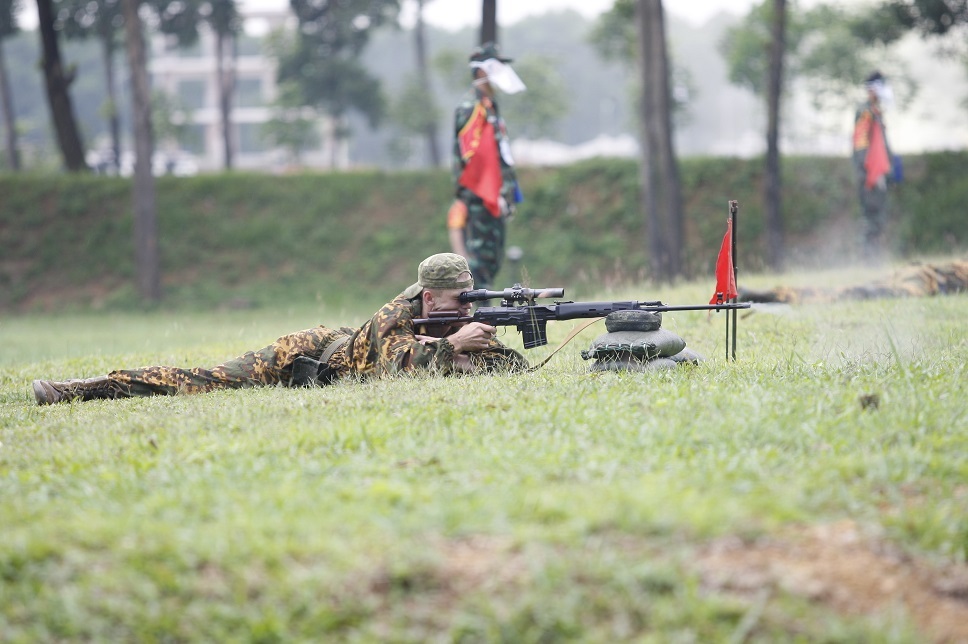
x=387 y=344
x=486 y=188
x=914 y=280
x=873 y=163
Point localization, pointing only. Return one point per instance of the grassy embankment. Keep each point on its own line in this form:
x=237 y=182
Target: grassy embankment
x=246 y=240
x=755 y=500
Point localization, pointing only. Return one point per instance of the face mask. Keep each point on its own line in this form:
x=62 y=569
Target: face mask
x=501 y=76
x=885 y=95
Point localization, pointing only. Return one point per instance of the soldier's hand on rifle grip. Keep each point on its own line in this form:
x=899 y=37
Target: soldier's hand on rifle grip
x=473 y=336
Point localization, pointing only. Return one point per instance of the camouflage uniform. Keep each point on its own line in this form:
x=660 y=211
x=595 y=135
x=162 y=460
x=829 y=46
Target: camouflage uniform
x=915 y=280
x=386 y=345
x=484 y=233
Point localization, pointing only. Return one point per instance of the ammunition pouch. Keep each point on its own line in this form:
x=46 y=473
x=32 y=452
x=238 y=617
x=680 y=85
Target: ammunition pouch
x=307 y=372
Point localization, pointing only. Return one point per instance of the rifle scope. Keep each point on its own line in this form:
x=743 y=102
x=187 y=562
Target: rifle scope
x=516 y=293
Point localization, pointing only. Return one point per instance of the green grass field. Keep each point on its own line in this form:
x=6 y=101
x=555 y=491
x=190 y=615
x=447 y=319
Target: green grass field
x=755 y=500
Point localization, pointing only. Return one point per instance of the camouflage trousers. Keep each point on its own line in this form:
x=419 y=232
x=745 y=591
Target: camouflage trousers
x=873 y=207
x=271 y=365
x=484 y=239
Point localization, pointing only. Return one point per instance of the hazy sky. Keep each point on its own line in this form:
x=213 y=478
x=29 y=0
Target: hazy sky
x=454 y=14
x=459 y=13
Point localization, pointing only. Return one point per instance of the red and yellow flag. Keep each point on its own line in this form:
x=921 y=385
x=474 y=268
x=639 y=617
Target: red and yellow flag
x=482 y=164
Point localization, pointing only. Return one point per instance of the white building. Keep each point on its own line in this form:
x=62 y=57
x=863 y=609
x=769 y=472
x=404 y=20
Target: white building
x=190 y=78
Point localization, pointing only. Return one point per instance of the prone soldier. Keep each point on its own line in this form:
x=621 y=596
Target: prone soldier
x=388 y=343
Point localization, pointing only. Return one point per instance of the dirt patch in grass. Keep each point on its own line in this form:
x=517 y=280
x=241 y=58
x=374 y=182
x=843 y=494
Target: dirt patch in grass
x=423 y=599
x=838 y=567
x=476 y=563
x=844 y=568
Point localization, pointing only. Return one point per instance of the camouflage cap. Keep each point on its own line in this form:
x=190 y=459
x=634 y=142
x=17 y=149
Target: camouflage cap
x=488 y=50
x=443 y=271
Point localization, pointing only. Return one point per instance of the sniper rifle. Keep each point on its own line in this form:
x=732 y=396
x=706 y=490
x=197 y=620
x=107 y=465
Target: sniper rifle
x=519 y=310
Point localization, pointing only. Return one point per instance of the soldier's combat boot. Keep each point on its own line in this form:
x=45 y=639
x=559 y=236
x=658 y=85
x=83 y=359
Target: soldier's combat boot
x=48 y=392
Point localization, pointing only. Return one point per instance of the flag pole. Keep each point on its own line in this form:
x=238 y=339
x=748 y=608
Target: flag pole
x=726 y=292
x=727 y=331
x=733 y=211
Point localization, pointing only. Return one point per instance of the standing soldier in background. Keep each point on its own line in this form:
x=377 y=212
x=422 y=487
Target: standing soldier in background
x=873 y=163
x=486 y=185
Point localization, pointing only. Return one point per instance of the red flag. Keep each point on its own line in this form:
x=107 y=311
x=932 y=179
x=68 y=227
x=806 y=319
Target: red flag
x=482 y=168
x=877 y=163
x=725 y=275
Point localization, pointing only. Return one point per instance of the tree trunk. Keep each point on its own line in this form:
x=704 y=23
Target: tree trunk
x=772 y=198
x=669 y=190
x=334 y=142
x=114 y=119
x=489 y=21
x=145 y=224
x=430 y=130
x=9 y=118
x=661 y=191
x=58 y=97
x=226 y=82
x=647 y=145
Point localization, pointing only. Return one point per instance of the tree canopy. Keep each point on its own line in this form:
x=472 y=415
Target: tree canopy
x=323 y=60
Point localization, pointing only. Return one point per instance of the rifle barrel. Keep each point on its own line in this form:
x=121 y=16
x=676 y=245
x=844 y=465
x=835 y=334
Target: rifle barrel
x=699 y=307
x=573 y=310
